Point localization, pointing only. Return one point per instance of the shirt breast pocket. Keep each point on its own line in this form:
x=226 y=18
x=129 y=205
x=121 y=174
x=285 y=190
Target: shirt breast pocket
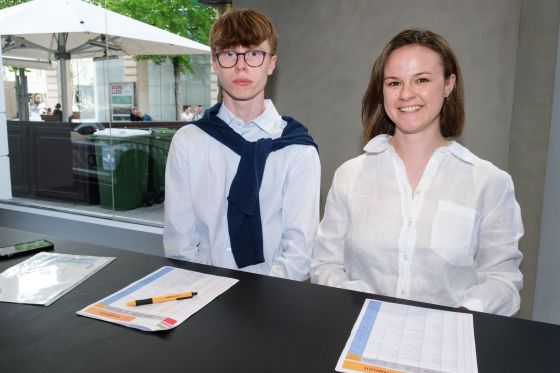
x=452 y=233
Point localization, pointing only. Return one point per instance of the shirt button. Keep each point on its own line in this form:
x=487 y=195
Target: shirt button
x=402 y=291
x=409 y=222
x=228 y=249
x=405 y=257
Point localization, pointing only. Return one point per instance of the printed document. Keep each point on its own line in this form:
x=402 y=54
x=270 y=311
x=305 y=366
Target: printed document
x=165 y=315
x=45 y=277
x=393 y=338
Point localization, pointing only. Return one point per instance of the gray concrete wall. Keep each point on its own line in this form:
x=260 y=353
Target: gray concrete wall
x=529 y=138
x=327 y=48
x=507 y=53
x=547 y=292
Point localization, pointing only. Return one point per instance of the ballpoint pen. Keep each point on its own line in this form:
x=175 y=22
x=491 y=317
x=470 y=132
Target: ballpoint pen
x=163 y=298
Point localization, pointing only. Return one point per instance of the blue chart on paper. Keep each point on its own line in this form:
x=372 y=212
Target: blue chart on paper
x=361 y=338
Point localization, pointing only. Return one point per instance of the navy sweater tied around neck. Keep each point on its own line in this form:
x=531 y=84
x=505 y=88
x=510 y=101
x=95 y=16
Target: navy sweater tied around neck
x=243 y=214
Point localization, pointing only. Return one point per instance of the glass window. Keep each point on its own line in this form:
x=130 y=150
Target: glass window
x=104 y=152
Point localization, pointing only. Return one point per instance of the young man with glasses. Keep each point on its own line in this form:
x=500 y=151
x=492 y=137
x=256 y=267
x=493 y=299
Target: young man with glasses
x=242 y=183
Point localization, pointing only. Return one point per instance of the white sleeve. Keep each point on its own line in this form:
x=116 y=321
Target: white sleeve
x=300 y=216
x=497 y=258
x=180 y=236
x=328 y=264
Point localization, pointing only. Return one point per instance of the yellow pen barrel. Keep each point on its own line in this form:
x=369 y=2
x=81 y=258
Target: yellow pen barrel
x=166 y=298
x=163 y=298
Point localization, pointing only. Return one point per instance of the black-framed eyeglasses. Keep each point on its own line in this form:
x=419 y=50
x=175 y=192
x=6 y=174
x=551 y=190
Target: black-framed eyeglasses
x=253 y=57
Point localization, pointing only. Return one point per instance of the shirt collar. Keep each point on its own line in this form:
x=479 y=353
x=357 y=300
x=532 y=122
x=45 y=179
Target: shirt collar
x=267 y=121
x=380 y=143
x=461 y=152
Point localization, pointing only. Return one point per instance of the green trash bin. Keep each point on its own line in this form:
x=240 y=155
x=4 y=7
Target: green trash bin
x=122 y=166
x=160 y=141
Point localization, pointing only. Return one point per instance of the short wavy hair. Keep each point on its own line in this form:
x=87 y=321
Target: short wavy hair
x=243 y=27
x=452 y=116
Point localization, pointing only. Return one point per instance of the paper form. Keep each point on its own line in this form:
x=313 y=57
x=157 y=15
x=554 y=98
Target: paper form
x=389 y=337
x=159 y=316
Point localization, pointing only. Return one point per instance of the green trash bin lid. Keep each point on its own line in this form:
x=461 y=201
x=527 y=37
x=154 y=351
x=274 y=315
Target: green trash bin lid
x=164 y=133
x=121 y=132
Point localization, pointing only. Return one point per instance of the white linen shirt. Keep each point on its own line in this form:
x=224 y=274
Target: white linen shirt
x=186 y=117
x=198 y=176
x=452 y=242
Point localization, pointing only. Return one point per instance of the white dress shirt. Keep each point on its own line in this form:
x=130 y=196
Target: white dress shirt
x=198 y=177
x=454 y=241
x=186 y=117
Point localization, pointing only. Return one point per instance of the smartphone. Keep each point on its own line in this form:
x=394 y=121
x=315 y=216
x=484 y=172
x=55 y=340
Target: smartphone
x=25 y=248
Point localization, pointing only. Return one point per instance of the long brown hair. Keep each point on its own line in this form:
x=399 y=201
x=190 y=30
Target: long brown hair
x=452 y=116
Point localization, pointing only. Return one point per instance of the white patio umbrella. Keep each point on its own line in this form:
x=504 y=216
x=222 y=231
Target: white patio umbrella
x=58 y=30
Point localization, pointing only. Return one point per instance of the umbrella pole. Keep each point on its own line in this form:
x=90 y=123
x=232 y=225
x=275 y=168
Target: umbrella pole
x=64 y=90
x=22 y=95
x=62 y=56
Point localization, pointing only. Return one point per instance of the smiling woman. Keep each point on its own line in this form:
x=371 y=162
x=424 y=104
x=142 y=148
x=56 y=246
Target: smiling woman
x=418 y=216
x=414 y=90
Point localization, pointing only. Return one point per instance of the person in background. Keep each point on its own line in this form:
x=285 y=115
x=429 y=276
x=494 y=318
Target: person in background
x=242 y=183
x=418 y=216
x=136 y=115
x=187 y=115
x=57 y=110
x=198 y=112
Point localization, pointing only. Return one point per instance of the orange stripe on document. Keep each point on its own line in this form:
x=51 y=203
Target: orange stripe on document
x=361 y=367
x=354 y=357
x=98 y=310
